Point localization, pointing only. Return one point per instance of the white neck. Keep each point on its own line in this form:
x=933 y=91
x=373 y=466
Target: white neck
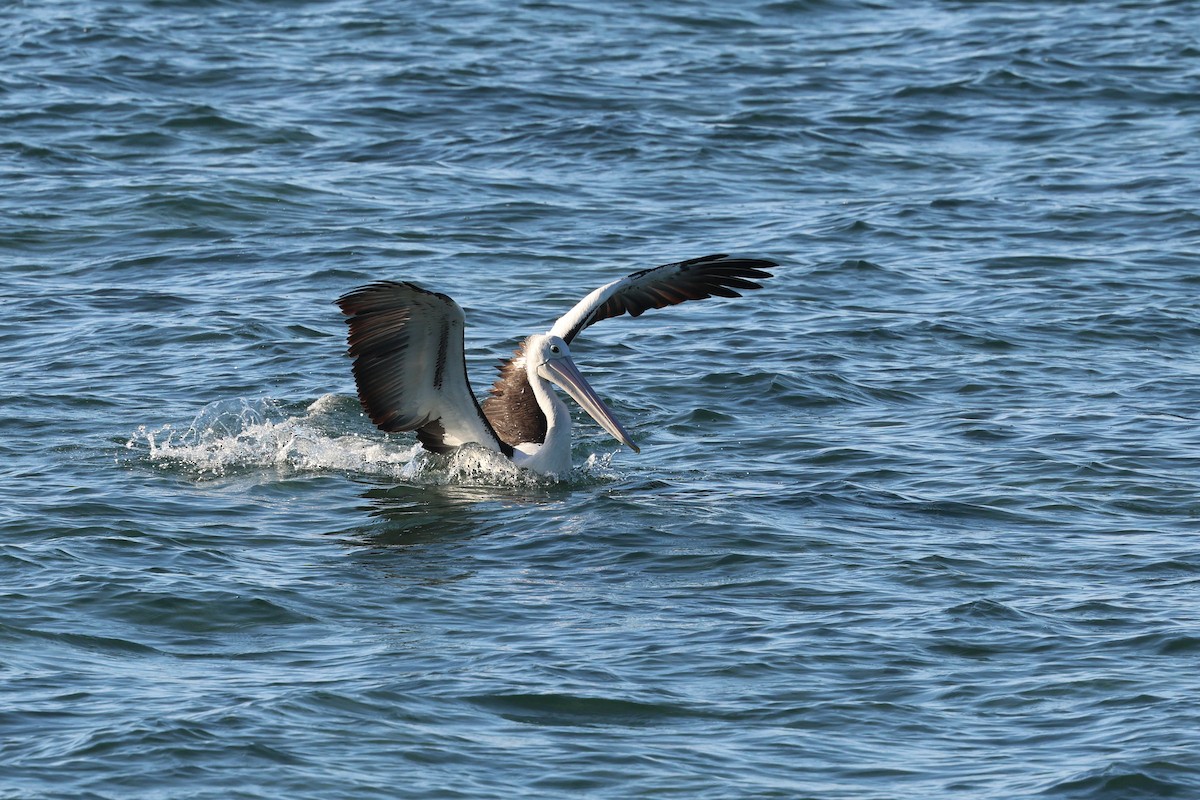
x=553 y=456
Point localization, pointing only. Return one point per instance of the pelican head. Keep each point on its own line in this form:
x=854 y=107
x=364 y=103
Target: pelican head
x=549 y=358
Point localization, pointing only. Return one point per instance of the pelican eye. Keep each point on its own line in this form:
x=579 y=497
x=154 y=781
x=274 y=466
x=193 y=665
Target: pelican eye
x=555 y=349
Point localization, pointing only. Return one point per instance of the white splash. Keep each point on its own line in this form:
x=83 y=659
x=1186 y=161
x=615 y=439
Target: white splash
x=330 y=435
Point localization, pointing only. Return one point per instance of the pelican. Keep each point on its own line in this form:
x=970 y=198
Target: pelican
x=411 y=373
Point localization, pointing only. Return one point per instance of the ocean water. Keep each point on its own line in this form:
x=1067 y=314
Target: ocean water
x=919 y=519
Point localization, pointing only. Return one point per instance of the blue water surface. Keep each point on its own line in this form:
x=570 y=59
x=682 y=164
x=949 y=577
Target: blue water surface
x=919 y=519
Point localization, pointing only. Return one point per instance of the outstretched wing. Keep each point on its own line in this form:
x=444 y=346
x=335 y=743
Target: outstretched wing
x=664 y=286
x=511 y=406
x=407 y=346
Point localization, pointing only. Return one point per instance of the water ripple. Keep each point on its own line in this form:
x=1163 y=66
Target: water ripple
x=915 y=520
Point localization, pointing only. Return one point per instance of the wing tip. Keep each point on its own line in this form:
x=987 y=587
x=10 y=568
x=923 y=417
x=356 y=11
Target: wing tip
x=366 y=298
x=377 y=295
x=724 y=264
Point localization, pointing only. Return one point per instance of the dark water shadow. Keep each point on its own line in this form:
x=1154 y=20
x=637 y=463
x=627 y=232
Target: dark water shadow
x=405 y=515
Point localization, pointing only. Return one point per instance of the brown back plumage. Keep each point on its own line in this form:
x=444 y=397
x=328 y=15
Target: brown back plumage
x=511 y=407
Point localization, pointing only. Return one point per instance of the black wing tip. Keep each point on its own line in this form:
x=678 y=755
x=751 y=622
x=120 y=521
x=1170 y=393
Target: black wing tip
x=719 y=264
x=352 y=302
x=724 y=264
x=722 y=276
x=366 y=289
